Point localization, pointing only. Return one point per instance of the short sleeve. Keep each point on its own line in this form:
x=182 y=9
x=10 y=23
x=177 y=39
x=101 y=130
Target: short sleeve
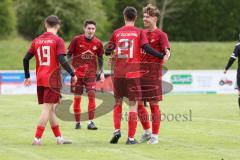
x=61 y=49
x=236 y=51
x=100 y=50
x=31 y=49
x=112 y=39
x=143 y=38
x=72 y=45
x=164 y=41
x=112 y=43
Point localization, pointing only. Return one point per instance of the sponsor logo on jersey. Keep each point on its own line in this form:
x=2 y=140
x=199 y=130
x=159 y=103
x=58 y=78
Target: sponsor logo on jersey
x=94 y=48
x=152 y=40
x=87 y=55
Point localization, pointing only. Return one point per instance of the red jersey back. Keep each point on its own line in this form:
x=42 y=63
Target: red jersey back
x=158 y=40
x=128 y=40
x=46 y=48
x=84 y=55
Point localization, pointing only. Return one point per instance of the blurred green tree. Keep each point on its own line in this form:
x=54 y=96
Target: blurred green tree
x=31 y=14
x=7 y=19
x=205 y=20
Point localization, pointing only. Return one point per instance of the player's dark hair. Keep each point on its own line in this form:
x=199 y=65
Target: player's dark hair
x=52 y=21
x=130 y=13
x=151 y=10
x=87 y=22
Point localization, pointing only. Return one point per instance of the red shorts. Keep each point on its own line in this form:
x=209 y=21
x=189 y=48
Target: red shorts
x=88 y=83
x=127 y=87
x=151 y=89
x=48 y=95
x=151 y=83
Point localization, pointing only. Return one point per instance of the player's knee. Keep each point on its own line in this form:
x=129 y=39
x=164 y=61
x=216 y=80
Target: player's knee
x=140 y=103
x=133 y=104
x=133 y=109
x=77 y=96
x=153 y=103
x=118 y=101
x=91 y=94
x=154 y=108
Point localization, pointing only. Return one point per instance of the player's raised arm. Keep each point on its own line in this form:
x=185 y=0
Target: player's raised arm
x=149 y=50
x=110 y=46
x=233 y=57
x=110 y=49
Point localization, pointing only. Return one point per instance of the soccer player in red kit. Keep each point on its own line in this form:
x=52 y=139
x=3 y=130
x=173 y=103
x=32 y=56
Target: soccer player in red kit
x=86 y=50
x=49 y=50
x=128 y=41
x=159 y=41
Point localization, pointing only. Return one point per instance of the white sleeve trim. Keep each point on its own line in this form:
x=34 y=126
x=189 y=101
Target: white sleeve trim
x=233 y=56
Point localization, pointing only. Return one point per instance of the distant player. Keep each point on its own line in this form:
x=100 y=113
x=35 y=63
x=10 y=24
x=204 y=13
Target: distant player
x=128 y=41
x=49 y=50
x=231 y=60
x=159 y=41
x=86 y=51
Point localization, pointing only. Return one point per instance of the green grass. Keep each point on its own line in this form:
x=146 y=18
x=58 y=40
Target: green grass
x=213 y=133
x=185 y=55
x=200 y=55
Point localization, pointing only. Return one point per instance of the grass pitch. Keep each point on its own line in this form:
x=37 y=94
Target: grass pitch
x=210 y=132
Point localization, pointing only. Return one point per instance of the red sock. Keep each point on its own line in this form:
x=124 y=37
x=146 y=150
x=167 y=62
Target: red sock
x=39 y=131
x=91 y=105
x=117 y=116
x=77 y=108
x=132 y=124
x=56 y=131
x=156 y=118
x=144 y=117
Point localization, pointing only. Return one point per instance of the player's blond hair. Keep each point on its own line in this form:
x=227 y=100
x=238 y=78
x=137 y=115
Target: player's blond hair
x=151 y=10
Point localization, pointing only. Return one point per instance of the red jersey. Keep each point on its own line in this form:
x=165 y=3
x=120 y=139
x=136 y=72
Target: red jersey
x=127 y=54
x=158 y=40
x=84 y=55
x=128 y=40
x=46 y=48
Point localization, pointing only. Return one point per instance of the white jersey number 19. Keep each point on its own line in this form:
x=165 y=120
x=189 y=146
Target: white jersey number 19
x=44 y=55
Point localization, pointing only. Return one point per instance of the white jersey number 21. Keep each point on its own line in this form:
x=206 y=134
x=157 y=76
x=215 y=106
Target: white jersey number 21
x=126 y=45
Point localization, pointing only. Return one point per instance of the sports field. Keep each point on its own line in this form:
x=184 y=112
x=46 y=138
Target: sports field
x=209 y=131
